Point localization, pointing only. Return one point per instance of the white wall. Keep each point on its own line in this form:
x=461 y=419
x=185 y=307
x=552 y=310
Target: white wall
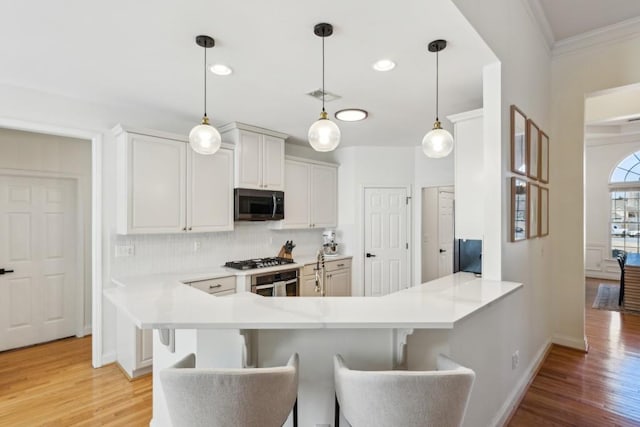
x=600 y=160
x=35 y=152
x=574 y=75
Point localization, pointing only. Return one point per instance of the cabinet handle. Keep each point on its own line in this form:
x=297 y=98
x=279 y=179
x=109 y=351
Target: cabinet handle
x=190 y=228
x=215 y=286
x=184 y=229
x=340 y=265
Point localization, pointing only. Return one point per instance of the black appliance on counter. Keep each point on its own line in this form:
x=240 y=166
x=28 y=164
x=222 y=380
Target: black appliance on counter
x=250 y=264
x=258 y=205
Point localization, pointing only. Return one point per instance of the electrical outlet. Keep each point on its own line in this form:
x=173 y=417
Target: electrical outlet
x=515 y=359
x=124 y=250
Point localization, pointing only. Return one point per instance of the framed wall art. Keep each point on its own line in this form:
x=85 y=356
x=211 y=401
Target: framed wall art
x=533 y=212
x=544 y=212
x=543 y=174
x=533 y=149
x=518 y=141
x=519 y=208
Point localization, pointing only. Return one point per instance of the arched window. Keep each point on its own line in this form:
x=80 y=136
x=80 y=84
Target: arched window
x=624 y=187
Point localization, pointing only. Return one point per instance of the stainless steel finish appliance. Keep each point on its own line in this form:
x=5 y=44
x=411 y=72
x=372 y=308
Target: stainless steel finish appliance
x=276 y=284
x=258 y=205
x=329 y=245
x=250 y=264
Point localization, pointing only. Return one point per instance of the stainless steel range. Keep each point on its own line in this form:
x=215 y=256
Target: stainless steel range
x=250 y=264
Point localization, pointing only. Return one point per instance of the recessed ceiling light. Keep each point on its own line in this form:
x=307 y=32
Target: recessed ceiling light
x=351 y=115
x=384 y=65
x=220 y=69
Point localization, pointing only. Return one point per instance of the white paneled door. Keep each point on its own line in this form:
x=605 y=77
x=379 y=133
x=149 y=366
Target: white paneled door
x=445 y=232
x=38 y=241
x=385 y=241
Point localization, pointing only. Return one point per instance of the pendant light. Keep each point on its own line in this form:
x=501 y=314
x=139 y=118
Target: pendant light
x=438 y=142
x=204 y=138
x=324 y=135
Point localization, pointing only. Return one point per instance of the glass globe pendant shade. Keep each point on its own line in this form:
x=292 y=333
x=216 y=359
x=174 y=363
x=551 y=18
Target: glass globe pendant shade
x=438 y=142
x=204 y=138
x=324 y=135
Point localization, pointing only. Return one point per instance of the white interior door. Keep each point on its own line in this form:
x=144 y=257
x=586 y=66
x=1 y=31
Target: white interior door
x=39 y=235
x=445 y=232
x=386 y=244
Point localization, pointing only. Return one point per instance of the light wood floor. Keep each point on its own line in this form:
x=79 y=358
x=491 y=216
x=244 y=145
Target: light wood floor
x=599 y=388
x=54 y=384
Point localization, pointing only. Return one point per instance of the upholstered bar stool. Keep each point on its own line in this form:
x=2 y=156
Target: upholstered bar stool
x=252 y=397
x=403 y=398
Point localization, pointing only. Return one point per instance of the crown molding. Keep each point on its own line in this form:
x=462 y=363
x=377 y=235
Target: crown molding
x=600 y=36
x=537 y=12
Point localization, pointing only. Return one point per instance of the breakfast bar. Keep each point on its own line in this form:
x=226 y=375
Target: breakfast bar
x=246 y=329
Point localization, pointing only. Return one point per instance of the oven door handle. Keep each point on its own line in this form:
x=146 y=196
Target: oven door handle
x=271 y=286
x=290 y=282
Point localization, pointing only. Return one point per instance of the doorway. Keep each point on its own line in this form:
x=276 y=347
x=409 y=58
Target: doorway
x=438 y=207
x=386 y=240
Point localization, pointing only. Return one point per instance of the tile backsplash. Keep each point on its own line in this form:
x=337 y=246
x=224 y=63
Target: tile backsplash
x=146 y=254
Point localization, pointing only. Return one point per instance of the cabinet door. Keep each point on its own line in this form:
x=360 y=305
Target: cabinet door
x=210 y=191
x=273 y=163
x=308 y=287
x=296 y=195
x=324 y=196
x=339 y=283
x=249 y=160
x=156 y=195
x=145 y=347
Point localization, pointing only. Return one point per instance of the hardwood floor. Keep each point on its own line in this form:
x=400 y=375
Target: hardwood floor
x=54 y=384
x=598 y=388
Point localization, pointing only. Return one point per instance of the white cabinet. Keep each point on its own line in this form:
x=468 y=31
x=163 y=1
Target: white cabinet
x=219 y=287
x=259 y=156
x=134 y=347
x=165 y=187
x=310 y=195
x=338 y=278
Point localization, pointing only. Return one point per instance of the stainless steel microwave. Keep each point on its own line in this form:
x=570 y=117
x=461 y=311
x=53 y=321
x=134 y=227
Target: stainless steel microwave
x=258 y=205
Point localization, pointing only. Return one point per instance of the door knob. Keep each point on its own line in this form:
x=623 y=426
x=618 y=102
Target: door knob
x=3 y=271
x=443 y=250
x=370 y=255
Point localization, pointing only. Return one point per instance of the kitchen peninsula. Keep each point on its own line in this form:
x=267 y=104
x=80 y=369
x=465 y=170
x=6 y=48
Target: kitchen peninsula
x=370 y=332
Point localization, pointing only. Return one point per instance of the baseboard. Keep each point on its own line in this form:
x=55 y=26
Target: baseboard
x=87 y=330
x=571 y=342
x=109 y=357
x=515 y=397
x=602 y=275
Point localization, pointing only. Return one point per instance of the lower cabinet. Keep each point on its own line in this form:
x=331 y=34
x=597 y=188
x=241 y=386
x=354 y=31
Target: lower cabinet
x=337 y=279
x=134 y=348
x=219 y=287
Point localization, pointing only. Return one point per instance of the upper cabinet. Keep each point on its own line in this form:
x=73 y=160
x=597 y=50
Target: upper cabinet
x=259 y=156
x=310 y=195
x=165 y=187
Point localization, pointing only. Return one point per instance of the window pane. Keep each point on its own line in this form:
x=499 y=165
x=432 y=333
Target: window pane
x=618 y=175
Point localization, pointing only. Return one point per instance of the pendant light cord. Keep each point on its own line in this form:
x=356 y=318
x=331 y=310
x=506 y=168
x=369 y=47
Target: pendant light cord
x=205 y=81
x=323 y=37
x=437 y=84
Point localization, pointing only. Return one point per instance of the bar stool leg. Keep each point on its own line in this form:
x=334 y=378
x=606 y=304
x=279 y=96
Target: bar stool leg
x=336 y=420
x=295 y=413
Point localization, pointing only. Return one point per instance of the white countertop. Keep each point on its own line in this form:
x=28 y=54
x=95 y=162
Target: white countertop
x=162 y=301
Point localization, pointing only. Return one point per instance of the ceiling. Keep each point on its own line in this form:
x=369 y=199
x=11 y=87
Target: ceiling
x=569 y=18
x=142 y=54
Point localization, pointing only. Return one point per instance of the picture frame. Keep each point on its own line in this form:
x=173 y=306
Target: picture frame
x=544 y=212
x=519 y=208
x=533 y=210
x=543 y=174
x=518 y=141
x=533 y=149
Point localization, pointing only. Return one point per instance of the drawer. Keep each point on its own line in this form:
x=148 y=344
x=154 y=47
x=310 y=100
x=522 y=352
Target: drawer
x=214 y=286
x=224 y=293
x=337 y=264
x=308 y=270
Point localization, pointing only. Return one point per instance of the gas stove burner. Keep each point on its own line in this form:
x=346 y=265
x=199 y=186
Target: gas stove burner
x=258 y=263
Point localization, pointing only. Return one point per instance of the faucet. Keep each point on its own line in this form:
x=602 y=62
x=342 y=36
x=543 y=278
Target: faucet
x=319 y=270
